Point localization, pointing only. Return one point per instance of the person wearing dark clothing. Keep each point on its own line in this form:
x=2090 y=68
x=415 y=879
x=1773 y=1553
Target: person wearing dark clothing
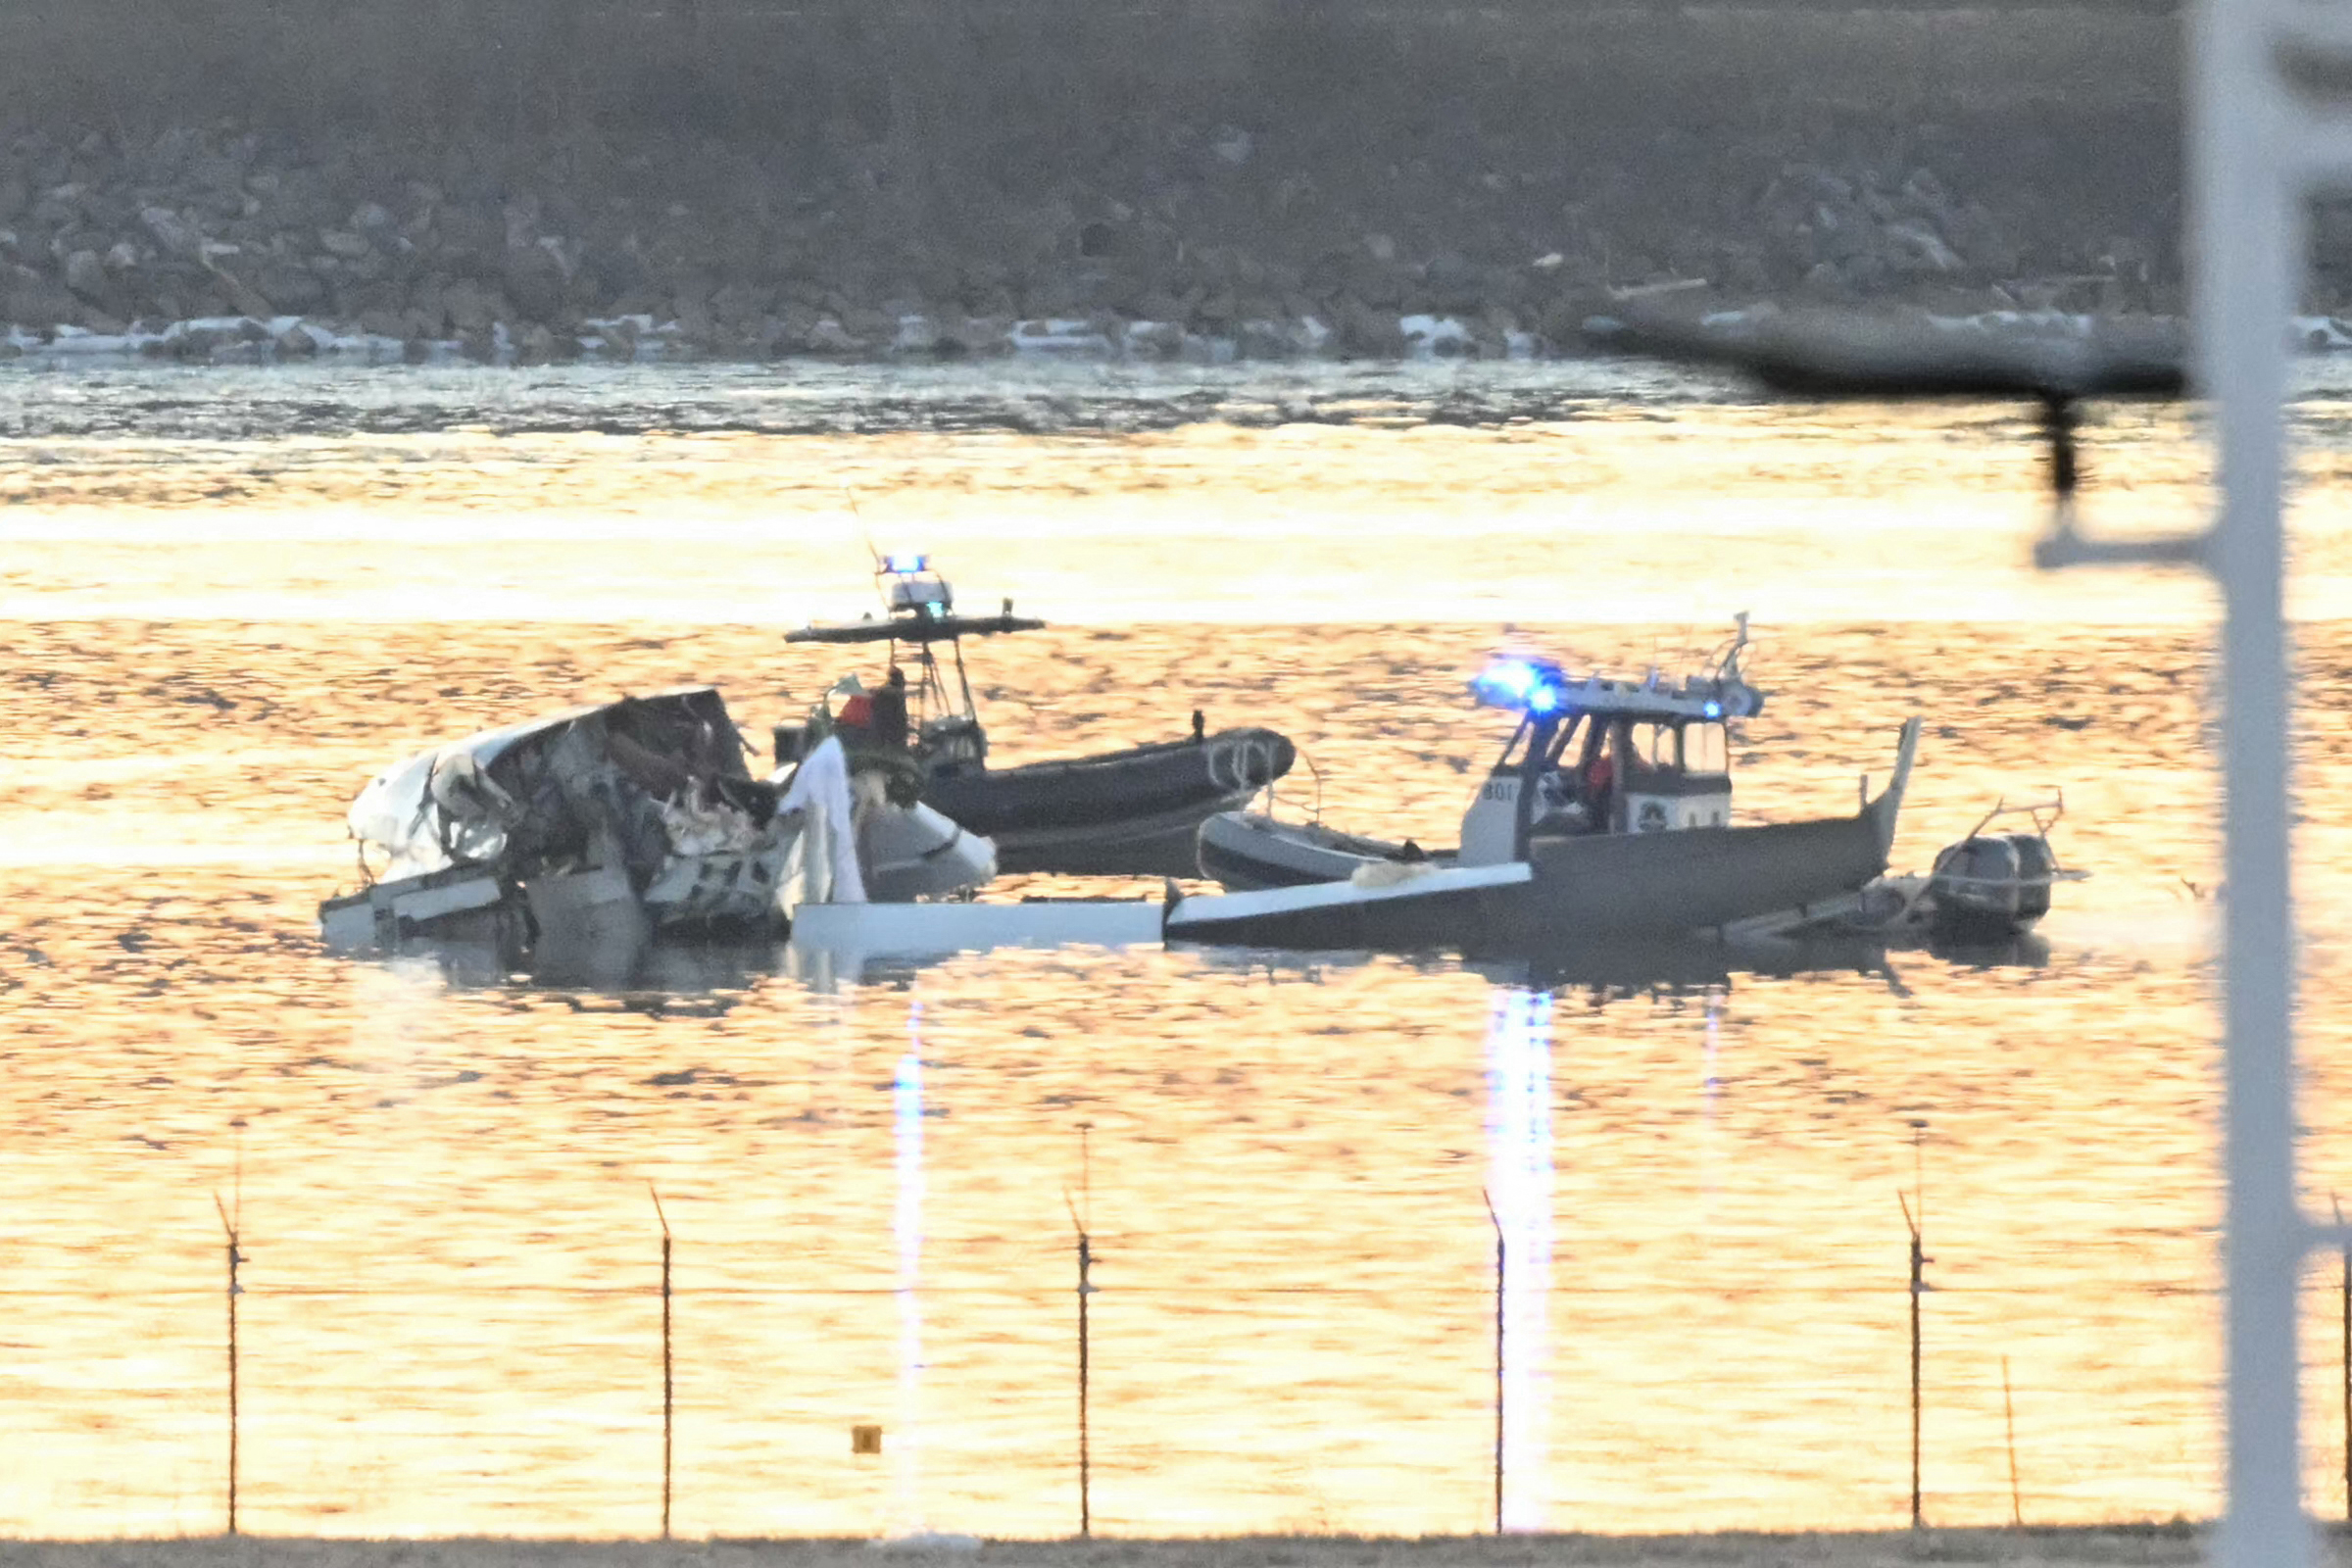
x=889 y=724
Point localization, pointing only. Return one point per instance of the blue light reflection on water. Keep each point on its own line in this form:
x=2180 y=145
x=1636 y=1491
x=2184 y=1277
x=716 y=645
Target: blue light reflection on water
x=1520 y=1187
x=907 y=1104
x=1712 y=1084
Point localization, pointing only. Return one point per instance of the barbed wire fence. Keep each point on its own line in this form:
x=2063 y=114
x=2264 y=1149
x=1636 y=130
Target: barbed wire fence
x=1476 y=1311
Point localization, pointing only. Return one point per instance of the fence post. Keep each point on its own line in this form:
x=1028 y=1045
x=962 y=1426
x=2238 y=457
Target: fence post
x=2016 y=1504
x=1501 y=1270
x=1919 y=1285
x=1914 y=1217
x=668 y=1407
x=1086 y=1288
x=2347 y=1305
x=229 y=1226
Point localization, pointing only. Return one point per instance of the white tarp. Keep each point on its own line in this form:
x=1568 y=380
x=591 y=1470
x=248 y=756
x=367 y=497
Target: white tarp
x=821 y=791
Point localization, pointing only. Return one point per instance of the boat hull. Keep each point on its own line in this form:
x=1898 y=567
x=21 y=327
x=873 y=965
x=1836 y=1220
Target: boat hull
x=1603 y=889
x=1133 y=813
x=1589 y=889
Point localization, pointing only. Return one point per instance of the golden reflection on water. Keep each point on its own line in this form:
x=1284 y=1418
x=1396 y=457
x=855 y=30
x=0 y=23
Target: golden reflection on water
x=1818 y=515
x=452 y=1322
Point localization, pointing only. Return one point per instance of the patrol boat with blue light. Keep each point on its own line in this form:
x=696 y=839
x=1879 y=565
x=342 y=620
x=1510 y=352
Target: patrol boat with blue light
x=1129 y=812
x=1606 y=816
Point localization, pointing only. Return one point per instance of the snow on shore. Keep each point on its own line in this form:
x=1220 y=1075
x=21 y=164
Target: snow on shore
x=641 y=339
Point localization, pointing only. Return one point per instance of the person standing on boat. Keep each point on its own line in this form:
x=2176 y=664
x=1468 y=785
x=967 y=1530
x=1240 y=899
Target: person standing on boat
x=1599 y=780
x=888 y=719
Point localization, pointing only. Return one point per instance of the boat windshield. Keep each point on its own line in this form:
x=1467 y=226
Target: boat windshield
x=1560 y=740
x=1707 y=749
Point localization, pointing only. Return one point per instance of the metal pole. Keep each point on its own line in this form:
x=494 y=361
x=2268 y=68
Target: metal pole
x=1919 y=1285
x=1501 y=1274
x=669 y=1404
x=1915 y=1220
x=2249 y=249
x=2347 y=1359
x=1085 y=1289
x=229 y=1226
x=2017 y=1505
x=1085 y=1477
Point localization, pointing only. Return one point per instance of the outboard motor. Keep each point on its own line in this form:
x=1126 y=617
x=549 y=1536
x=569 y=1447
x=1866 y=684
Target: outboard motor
x=1992 y=885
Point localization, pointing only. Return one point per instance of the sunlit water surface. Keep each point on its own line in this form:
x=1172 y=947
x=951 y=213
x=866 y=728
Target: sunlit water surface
x=233 y=596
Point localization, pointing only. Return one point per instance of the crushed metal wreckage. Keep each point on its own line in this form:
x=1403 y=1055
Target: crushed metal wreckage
x=608 y=823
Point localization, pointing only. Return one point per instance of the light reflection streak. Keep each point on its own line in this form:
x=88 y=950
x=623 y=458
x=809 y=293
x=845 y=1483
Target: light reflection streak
x=1713 y=1094
x=907 y=1100
x=1520 y=1185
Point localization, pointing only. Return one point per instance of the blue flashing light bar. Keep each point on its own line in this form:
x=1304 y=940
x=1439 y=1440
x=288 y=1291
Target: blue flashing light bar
x=1520 y=683
x=1540 y=689
x=906 y=561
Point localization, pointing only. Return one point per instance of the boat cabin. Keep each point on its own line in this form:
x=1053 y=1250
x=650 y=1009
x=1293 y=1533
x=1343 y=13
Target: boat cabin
x=1592 y=755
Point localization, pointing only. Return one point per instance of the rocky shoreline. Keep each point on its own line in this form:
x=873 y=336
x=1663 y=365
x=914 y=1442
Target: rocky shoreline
x=205 y=245
x=1318 y=182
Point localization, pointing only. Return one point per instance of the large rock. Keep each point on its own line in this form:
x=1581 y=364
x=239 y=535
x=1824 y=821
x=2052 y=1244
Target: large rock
x=468 y=229
x=243 y=297
x=610 y=271
x=472 y=309
x=535 y=280
x=620 y=339
x=1913 y=246
x=1450 y=286
x=29 y=299
x=828 y=337
x=741 y=306
x=1364 y=331
x=1364 y=276
x=1974 y=232
x=85 y=275
x=290 y=288
x=175 y=234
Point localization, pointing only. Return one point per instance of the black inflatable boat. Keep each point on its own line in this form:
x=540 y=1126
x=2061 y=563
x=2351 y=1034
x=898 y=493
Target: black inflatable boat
x=1131 y=813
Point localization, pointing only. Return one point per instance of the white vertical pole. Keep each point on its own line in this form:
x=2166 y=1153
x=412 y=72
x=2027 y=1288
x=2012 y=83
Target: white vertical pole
x=1519 y=1139
x=2248 y=254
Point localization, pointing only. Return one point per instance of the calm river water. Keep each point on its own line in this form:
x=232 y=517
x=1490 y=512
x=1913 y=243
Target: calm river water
x=232 y=596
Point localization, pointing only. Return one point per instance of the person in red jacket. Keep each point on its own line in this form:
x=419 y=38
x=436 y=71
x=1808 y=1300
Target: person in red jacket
x=889 y=709
x=1600 y=780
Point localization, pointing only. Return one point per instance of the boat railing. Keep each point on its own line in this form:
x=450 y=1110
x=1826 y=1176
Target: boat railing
x=2044 y=812
x=1272 y=791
